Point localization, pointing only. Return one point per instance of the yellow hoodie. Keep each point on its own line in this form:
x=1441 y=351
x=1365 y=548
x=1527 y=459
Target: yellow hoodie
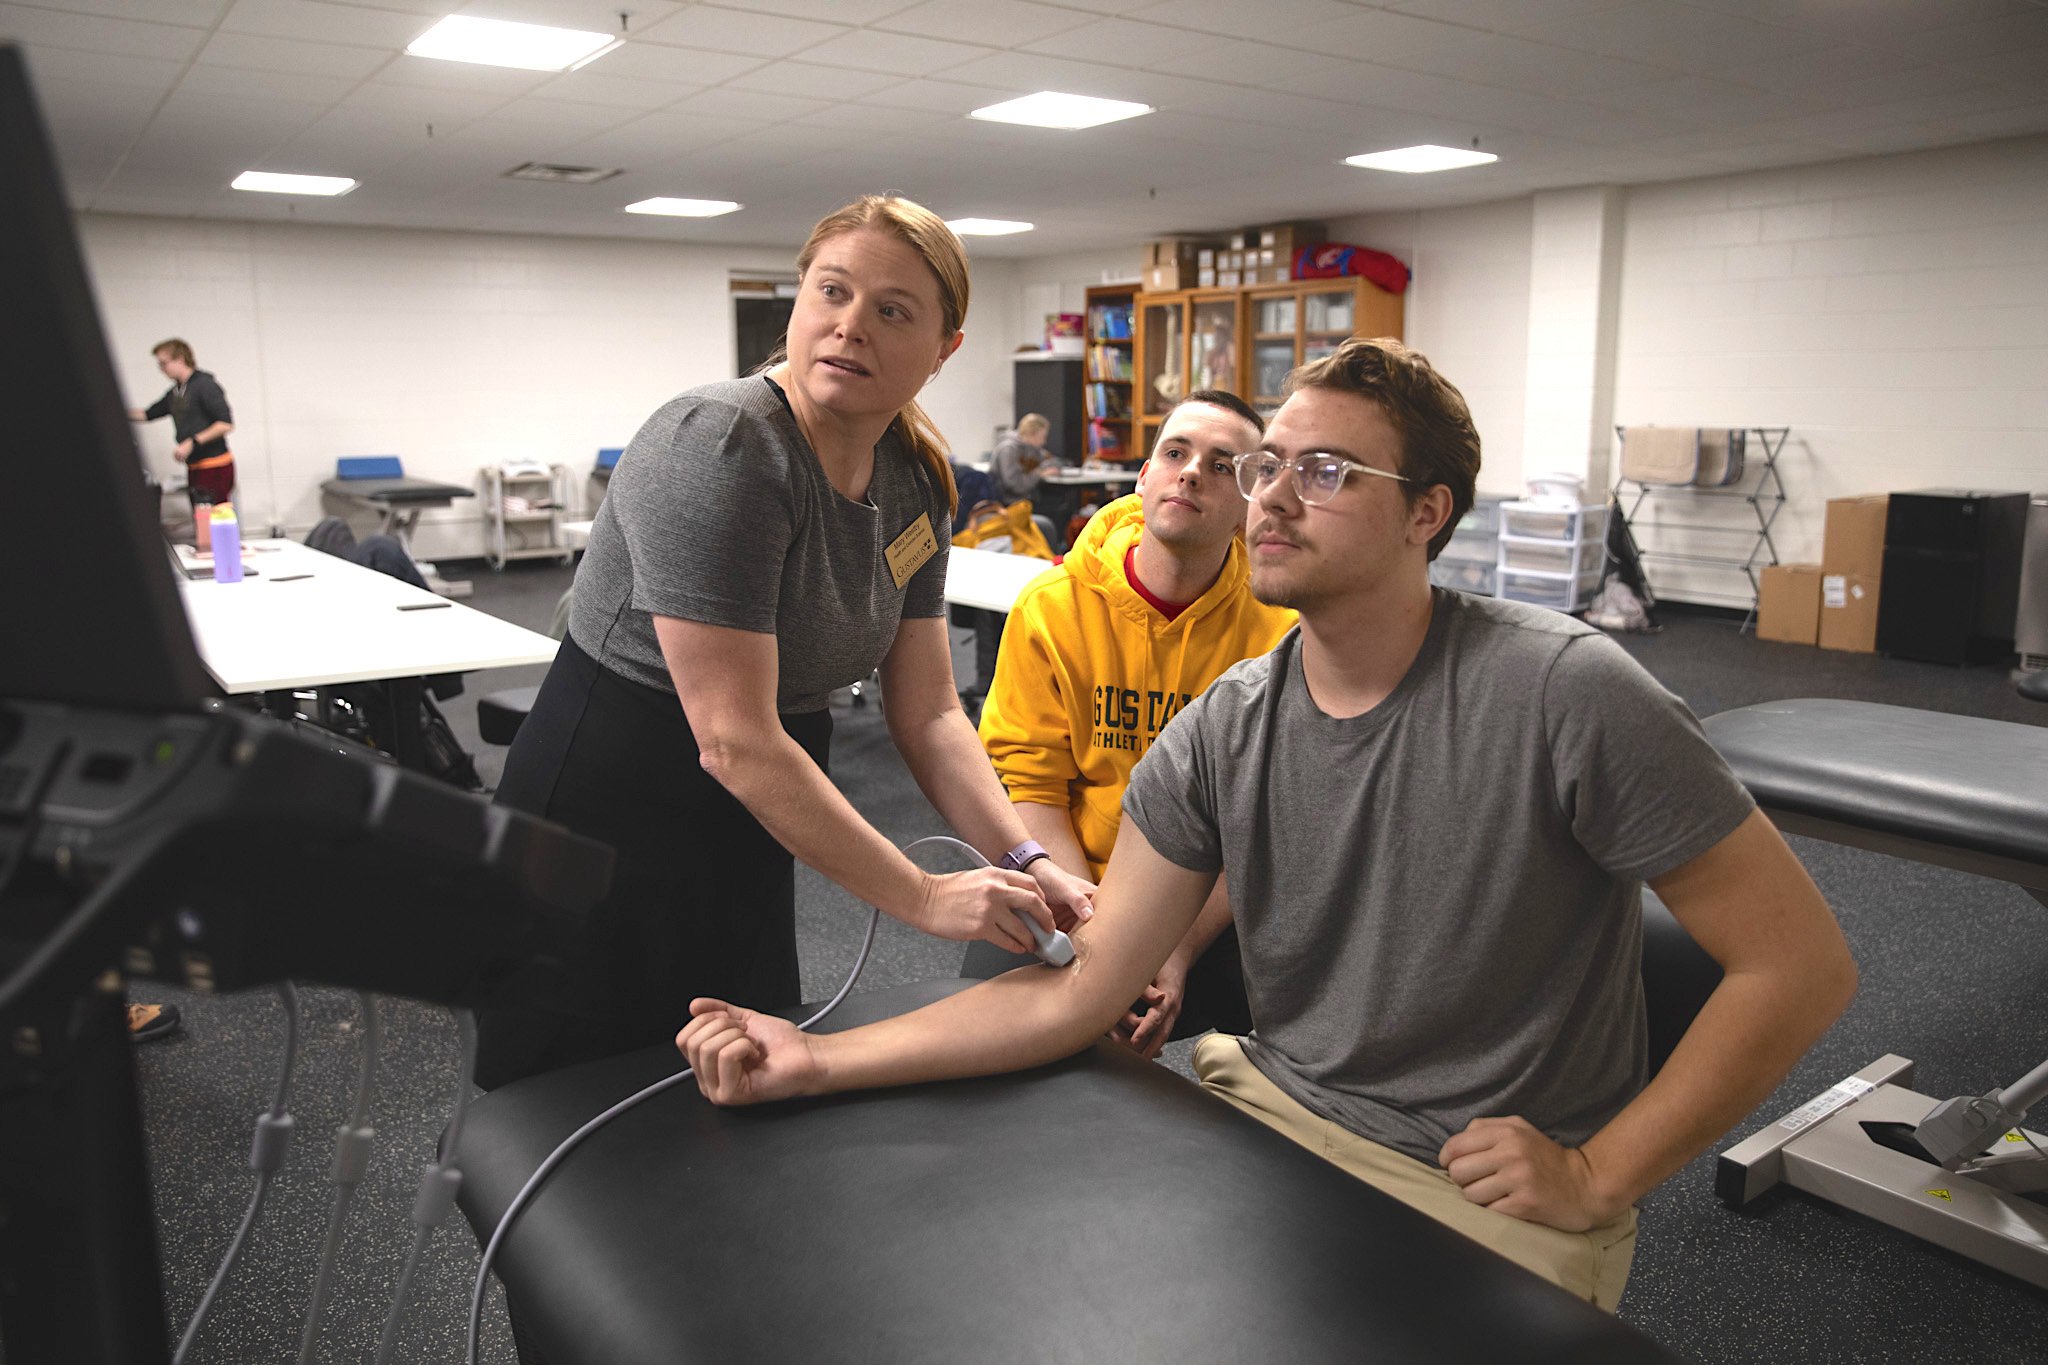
x=1090 y=672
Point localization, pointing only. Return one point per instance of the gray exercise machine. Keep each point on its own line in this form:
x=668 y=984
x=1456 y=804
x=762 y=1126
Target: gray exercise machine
x=1960 y=792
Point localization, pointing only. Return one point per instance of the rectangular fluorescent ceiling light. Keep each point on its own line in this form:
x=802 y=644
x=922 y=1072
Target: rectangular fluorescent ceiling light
x=987 y=227
x=271 y=182
x=684 y=208
x=1050 y=109
x=1421 y=160
x=500 y=42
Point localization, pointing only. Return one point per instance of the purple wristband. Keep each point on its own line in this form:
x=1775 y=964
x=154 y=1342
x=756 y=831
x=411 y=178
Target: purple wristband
x=1023 y=855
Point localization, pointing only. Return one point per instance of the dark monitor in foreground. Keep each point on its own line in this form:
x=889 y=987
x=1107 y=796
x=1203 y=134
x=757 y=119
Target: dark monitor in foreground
x=91 y=613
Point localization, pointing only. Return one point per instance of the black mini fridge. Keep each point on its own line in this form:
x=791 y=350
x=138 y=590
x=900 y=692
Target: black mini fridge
x=1950 y=591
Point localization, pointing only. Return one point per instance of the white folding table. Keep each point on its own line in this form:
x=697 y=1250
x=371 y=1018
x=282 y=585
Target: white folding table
x=305 y=619
x=988 y=579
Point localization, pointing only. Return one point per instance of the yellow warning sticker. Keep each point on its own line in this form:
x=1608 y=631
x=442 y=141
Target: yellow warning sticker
x=1942 y=1195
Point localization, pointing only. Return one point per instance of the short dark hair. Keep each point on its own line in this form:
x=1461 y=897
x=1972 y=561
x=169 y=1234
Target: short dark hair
x=1229 y=402
x=1439 y=444
x=176 y=349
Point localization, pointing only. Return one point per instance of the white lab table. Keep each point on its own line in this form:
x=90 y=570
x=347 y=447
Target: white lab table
x=1103 y=474
x=306 y=619
x=988 y=579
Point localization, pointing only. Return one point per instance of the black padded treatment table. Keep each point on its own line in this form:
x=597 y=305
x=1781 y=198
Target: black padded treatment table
x=1101 y=1209
x=1957 y=791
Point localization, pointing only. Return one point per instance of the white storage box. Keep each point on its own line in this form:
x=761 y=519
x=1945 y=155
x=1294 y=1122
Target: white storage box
x=1559 y=592
x=1569 y=558
x=1535 y=521
x=1465 y=575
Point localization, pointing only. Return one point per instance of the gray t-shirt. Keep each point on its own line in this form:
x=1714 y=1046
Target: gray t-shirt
x=718 y=512
x=1438 y=900
x=1014 y=466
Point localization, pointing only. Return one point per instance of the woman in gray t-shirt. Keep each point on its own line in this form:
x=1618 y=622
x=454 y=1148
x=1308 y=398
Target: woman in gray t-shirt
x=765 y=541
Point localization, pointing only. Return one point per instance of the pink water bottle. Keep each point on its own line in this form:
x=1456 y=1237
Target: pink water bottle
x=227 y=545
x=202 y=528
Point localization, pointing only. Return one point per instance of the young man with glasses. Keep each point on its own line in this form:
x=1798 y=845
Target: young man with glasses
x=1151 y=604
x=1435 y=814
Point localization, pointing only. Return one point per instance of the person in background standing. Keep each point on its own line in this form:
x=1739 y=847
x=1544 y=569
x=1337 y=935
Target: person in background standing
x=200 y=418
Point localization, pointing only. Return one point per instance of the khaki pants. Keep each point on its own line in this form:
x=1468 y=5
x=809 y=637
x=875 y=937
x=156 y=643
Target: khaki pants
x=1593 y=1265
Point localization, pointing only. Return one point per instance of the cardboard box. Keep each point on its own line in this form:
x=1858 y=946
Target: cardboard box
x=1227 y=279
x=1848 y=612
x=1853 y=538
x=1788 y=604
x=1165 y=279
x=1205 y=278
x=1285 y=238
x=1852 y=572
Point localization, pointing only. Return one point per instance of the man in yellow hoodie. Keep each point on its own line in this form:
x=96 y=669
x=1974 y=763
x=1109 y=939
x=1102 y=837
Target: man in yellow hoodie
x=1151 y=605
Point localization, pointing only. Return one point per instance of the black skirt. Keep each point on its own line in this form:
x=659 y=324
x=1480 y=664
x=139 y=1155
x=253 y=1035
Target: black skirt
x=703 y=899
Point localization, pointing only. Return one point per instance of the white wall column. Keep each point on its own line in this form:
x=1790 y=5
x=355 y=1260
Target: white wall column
x=1574 y=311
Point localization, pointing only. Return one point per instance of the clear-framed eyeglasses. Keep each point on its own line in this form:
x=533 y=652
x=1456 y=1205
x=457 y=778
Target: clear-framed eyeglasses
x=1318 y=475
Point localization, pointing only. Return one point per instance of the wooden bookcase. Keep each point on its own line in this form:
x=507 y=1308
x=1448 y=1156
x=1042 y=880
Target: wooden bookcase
x=1186 y=341
x=1243 y=341
x=1292 y=324
x=1106 y=372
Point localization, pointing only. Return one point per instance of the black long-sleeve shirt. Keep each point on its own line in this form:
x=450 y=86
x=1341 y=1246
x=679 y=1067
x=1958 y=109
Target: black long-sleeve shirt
x=192 y=407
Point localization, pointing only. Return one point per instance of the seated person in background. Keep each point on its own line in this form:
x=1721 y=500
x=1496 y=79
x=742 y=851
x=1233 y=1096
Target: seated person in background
x=1015 y=463
x=385 y=554
x=1150 y=606
x=1435 y=813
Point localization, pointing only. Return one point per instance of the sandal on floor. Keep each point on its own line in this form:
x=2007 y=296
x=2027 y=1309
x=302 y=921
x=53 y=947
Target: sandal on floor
x=147 y=1022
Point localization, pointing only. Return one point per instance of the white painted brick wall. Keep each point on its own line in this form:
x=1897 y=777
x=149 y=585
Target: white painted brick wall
x=451 y=350
x=1903 y=335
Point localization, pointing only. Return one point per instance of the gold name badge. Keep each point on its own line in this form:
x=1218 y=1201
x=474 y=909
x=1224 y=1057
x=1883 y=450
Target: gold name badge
x=908 y=552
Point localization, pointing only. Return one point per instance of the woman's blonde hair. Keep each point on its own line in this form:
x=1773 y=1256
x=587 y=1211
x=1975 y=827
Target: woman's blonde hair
x=924 y=232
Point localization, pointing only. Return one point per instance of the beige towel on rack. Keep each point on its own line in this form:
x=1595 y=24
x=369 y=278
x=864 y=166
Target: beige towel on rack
x=1721 y=452
x=1660 y=454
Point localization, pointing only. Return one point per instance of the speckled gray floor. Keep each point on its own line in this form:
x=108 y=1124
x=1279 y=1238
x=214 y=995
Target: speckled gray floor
x=1955 y=976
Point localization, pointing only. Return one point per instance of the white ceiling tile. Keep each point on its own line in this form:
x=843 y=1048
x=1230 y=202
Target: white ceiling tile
x=873 y=120
x=802 y=78
x=313 y=21
x=1505 y=16
x=366 y=136
x=658 y=137
x=1374 y=35
x=685 y=66
x=192 y=13
x=1152 y=46
x=1023 y=72
x=731 y=30
x=37 y=27
x=1817 y=69
x=942 y=97
x=91 y=68
x=896 y=53
x=1684 y=39
x=448 y=109
x=591 y=86
x=565 y=120
x=1004 y=22
x=1267 y=20
x=751 y=106
x=1517 y=64
x=2024 y=32
x=229 y=82
x=468 y=78
x=1239 y=61
x=290 y=56
x=591 y=16
x=844 y=11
